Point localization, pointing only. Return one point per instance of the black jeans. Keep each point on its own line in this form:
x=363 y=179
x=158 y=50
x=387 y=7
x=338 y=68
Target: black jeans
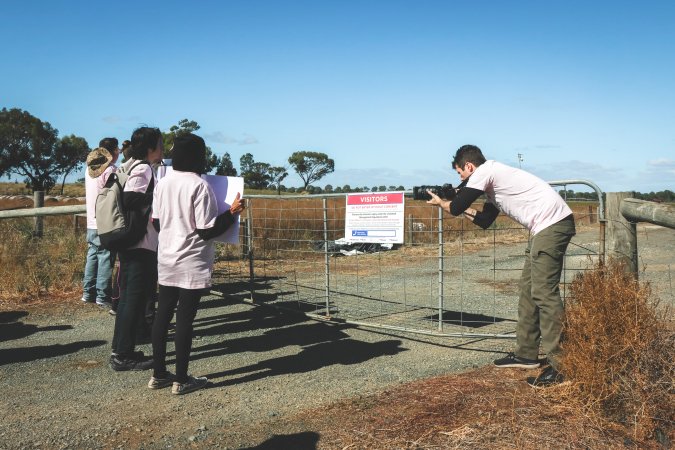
x=138 y=283
x=188 y=302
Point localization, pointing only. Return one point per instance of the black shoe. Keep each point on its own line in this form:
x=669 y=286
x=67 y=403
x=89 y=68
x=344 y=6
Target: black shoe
x=511 y=360
x=548 y=377
x=120 y=363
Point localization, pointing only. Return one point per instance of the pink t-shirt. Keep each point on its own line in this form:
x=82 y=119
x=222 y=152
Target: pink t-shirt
x=139 y=181
x=183 y=203
x=527 y=199
x=92 y=187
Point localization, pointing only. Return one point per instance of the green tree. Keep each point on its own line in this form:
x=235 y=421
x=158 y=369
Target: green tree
x=311 y=166
x=277 y=175
x=256 y=174
x=246 y=163
x=31 y=148
x=186 y=126
x=72 y=152
x=225 y=166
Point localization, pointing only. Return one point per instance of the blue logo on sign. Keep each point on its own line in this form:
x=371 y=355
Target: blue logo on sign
x=359 y=232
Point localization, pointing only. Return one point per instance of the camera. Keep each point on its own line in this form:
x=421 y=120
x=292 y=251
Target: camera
x=446 y=192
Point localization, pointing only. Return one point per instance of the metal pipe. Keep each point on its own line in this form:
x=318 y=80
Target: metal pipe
x=601 y=200
x=326 y=257
x=440 y=269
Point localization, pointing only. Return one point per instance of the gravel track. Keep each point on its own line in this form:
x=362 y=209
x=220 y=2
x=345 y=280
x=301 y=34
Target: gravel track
x=265 y=367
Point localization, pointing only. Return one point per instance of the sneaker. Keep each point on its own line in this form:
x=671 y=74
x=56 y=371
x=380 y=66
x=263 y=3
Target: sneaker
x=104 y=304
x=85 y=300
x=192 y=384
x=511 y=360
x=121 y=364
x=161 y=382
x=548 y=377
x=112 y=312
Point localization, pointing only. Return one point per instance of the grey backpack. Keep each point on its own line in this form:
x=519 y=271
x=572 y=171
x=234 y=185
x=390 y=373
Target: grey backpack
x=118 y=227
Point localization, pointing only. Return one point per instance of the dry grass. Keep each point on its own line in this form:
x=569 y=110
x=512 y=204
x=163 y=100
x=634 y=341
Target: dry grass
x=488 y=408
x=36 y=270
x=619 y=350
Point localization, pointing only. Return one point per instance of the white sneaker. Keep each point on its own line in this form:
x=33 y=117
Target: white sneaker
x=192 y=384
x=159 y=383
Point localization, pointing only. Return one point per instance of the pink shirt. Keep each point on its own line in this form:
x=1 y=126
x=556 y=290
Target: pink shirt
x=524 y=197
x=183 y=203
x=139 y=181
x=92 y=187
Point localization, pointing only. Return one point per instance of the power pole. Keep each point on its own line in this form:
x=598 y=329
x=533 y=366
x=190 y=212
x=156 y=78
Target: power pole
x=520 y=160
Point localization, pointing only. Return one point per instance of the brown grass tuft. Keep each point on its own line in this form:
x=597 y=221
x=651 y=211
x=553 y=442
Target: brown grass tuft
x=618 y=352
x=35 y=270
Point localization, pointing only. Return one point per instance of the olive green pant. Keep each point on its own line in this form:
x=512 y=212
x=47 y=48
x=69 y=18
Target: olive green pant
x=540 y=307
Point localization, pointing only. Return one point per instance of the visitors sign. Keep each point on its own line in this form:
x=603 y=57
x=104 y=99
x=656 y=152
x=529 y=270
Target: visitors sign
x=375 y=218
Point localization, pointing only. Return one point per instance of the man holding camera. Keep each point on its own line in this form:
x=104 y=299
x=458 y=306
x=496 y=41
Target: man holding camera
x=537 y=206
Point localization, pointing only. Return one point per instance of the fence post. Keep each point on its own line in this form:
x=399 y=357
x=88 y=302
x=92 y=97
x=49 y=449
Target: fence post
x=621 y=234
x=248 y=239
x=440 y=269
x=410 y=230
x=325 y=255
x=38 y=202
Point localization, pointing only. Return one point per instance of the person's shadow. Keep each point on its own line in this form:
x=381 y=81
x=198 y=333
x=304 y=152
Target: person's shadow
x=11 y=328
x=299 y=441
x=344 y=351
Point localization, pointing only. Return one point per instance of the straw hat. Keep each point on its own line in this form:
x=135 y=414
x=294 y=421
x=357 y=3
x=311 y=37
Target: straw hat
x=97 y=161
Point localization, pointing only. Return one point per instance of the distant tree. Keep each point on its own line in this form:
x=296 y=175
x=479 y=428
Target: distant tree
x=400 y=188
x=259 y=176
x=186 y=126
x=328 y=188
x=246 y=163
x=225 y=166
x=373 y=189
x=69 y=157
x=337 y=189
x=346 y=188
x=277 y=175
x=311 y=166
x=31 y=148
x=382 y=188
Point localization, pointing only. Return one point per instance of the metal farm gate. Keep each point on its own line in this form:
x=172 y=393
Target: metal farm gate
x=450 y=278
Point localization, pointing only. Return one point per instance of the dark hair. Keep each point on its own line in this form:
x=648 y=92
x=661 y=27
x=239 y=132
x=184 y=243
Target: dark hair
x=109 y=143
x=189 y=154
x=126 y=148
x=468 y=153
x=142 y=140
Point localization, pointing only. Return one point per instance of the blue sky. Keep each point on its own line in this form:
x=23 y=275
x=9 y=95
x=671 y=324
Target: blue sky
x=388 y=89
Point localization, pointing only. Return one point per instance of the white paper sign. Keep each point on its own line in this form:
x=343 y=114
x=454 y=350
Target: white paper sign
x=226 y=190
x=375 y=218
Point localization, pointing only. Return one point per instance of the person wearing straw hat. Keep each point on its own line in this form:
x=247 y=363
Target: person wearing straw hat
x=97 y=281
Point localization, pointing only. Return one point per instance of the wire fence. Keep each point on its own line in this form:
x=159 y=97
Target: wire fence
x=449 y=278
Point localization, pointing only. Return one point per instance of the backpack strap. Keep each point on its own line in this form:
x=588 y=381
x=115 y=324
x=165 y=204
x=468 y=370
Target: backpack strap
x=151 y=185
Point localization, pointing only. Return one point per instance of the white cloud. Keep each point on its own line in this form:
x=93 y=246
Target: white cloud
x=221 y=138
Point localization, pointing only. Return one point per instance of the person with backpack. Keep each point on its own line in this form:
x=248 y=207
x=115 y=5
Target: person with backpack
x=138 y=261
x=96 y=283
x=185 y=213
